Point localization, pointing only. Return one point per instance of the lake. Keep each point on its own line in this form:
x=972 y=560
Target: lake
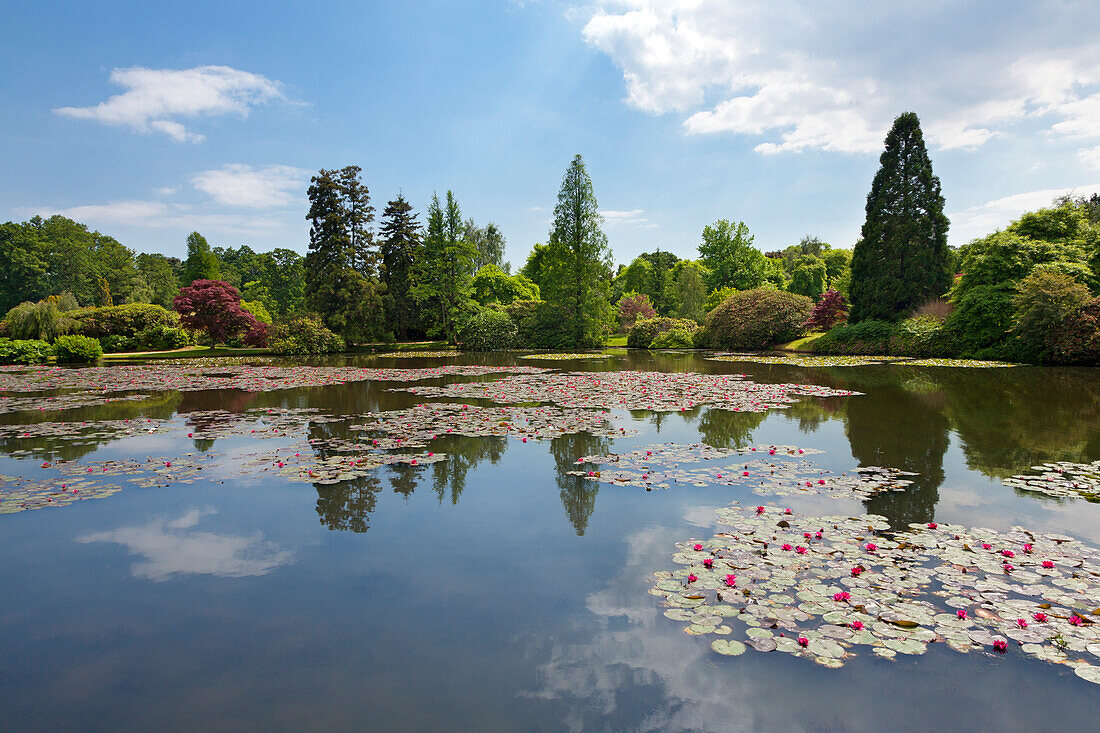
x=494 y=584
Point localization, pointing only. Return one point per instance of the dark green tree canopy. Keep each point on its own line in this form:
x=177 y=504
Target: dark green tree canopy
x=901 y=259
x=201 y=262
x=400 y=246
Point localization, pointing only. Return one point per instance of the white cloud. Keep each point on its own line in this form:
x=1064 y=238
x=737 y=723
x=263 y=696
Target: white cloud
x=154 y=97
x=161 y=215
x=833 y=77
x=633 y=217
x=262 y=188
x=977 y=221
x=1090 y=157
x=166 y=190
x=171 y=548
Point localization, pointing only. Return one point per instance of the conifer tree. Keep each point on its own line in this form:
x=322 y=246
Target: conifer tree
x=442 y=279
x=400 y=246
x=901 y=259
x=578 y=260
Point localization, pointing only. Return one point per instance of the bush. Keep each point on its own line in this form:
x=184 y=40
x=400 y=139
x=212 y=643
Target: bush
x=305 y=335
x=121 y=320
x=674 y=338
x=489 y=330
x=258 y=336
x=24 y=351
x=258 y=311
x=643 y=333
x=920 y=336
x=982 y=316
x=865 y=337
x=1078 y=339
x=540 y=325
x=77 y=350
x=753 y=319
x=1044 y=300
x=117 y=344
x=633 y=307
x=161 y=338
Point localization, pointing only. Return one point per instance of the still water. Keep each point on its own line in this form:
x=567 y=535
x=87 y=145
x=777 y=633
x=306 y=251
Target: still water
x=494 y=590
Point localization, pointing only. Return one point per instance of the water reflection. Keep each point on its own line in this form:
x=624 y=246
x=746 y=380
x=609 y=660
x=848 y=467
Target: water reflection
x=578 y=495
x=173 y=547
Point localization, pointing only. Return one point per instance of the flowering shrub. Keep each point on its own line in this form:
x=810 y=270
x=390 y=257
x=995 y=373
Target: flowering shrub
x=831 y=310
x=631 y=308
x=753 y=319
x=1078 y=339
x=77 y=349
x=305 y=335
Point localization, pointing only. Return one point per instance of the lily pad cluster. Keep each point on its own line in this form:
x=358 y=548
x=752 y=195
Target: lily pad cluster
x=332 y=469
x=768 y=472
x=964 y=363
x=633 y=390
x=564 y=357
x=1062 y=479
x=823 y=587
x=418 y=425
x=805 y=360
x=69 y=401
x=18 y=494
x=248 y=378
x=146 y=472
x=418 y=354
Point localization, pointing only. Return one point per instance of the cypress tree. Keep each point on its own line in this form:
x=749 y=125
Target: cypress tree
x=901 y=258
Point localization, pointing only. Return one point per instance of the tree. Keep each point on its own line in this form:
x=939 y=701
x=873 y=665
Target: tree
x=488 y=242
x=689 y=290
x=22 y=265
x=284 y=278
x=901 y=258
x=535 y=268
x=339 y=265
x=213 y=307
x=156 y=270
x=828 y=312
x=492 y=285
x=838 y=269
x=728 y=254
x=201 y=263
x=400 y=245
x=809 y=275
x=442 y=281
x=1044 y=301
x=579 y=260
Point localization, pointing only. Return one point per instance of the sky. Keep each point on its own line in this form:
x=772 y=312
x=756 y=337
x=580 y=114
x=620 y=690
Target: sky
x=147 y=121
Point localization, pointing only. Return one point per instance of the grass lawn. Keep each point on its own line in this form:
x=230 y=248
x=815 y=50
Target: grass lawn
x=802 y=344
x=618 y=339
x=187 y=352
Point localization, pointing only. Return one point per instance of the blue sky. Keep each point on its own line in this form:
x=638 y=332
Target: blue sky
x=149 y=120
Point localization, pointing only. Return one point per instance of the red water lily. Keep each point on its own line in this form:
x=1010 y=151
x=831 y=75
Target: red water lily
x=731 y=580
x=961 y=613
x=803 y=641
x=1000 y=645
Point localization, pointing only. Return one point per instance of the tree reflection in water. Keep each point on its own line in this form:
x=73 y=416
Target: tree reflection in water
x=578 y=495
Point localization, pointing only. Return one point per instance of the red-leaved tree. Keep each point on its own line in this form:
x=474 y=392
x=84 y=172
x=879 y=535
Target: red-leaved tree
x=213 y=307
x=829 y=311
x=632 y=307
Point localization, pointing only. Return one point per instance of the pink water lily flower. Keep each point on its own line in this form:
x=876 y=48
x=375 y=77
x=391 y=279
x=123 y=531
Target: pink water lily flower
x=708 y=563
x=1048 y=564
x=1027 y=547
x=786 y=548
x=857 y=570
x=787 y=511
x=744 y=473
x=842 y=596
x=759 y=510
x=1022 y=623
x=871 y=547
x=1000 y=645
x=803 y=641
x=800 y=550
x=961 y=613
x=818 y=534
x=1040 y=616
x=987 y=546
x=692 y=578
x=1076 y=620
x=857 y=625
x=932 y=525
x=731 y=580
x=697 y=547
x=1009 y=567
x=1008 y=553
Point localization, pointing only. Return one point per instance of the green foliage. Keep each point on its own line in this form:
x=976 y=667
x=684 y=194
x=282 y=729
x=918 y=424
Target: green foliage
x=675 y=338
x=809 y=276
x=160 y=338
x=646 y=331
x=201 y=263
x=285 y=279
x=258 y=311
x=732 y=261
x=901 y=258
x=717 y=296
x=1077 y=341
x=24 y=351
x=121 y=320
x=540 y=325
x=838 y=270
x=488 y=242
x=689 y=290
x=77 y=350
x=1044 y=301
x=36 y=321
x=401 y=248
x=492 y=285
x=920 y=336
x=577 y=267
x=161 y=281
x=756 y=318
x=442 y=278
x=304 y=335
x=866 y=337
x=535 y=268
x=489 y=330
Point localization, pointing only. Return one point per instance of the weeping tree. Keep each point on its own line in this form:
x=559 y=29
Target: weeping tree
x=901 y=258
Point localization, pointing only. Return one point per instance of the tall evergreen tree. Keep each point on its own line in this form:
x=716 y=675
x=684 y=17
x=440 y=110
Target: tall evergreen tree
x=400 y=246
x=579 y=260
x=442 y=281
x=339 y=264
x=901 y=258
x=201 y=263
